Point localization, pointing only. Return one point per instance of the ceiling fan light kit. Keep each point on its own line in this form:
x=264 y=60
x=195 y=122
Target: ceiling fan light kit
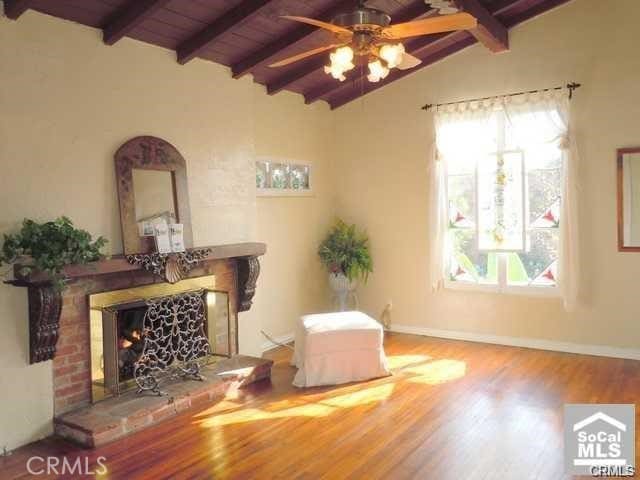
x=367 y=33
x=341 y=62
x=377 y=71
x=392 y=54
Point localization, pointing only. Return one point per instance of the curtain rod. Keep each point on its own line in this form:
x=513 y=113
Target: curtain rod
x=570 y=86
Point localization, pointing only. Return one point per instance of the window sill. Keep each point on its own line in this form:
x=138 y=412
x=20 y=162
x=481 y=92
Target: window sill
x=288 y=192
x=527 y=291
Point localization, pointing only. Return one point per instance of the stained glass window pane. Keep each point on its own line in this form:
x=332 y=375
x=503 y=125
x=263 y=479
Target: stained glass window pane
x=548 y=276
x=299 y=177
x=549 y=218
x=462 y=201
x=262 y=172
x=467 y=263
x=536 y=265
x=279 y=175
x=501 y=202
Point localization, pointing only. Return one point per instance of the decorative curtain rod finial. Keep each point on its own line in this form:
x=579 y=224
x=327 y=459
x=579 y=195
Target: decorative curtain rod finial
x=572 y=86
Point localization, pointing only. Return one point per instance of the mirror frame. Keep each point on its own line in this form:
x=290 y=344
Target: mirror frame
x=620 y=181
x=149 y=153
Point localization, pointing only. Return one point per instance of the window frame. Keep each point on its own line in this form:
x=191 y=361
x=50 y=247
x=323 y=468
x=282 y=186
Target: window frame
x=288 y=191
x=502 y=285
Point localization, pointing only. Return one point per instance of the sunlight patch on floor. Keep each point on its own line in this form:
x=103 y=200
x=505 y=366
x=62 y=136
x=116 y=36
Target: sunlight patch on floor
x=361 y=397
x=437 y=372
x=321 y=408
x=255 y=414
x=220 y=407
x=401 y=361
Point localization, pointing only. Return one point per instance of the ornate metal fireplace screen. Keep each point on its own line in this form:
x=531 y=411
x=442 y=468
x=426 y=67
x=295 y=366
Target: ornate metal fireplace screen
x=143 y=336
x=175 y=343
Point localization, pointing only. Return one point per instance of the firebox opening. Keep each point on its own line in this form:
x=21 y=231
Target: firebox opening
x=130 y=340
x=118 y=333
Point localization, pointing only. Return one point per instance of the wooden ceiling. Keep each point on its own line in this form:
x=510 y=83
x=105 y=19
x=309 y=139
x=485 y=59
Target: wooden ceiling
x=247 y=35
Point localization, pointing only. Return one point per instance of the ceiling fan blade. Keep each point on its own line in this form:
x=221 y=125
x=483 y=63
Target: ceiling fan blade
x=300 y=56
x=443 y=23
x=408 y=61
x=317 y=23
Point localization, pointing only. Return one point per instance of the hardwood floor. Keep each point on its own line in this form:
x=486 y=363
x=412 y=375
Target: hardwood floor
x=452 y=410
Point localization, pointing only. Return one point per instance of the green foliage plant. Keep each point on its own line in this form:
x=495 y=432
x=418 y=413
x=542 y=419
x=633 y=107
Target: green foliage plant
x=346 y=250
x=50 y=247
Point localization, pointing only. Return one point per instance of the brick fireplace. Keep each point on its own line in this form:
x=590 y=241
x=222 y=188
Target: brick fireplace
x=60 y=331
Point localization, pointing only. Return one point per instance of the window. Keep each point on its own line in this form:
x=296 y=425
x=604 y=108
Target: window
x=503 y=206
x=277 y=178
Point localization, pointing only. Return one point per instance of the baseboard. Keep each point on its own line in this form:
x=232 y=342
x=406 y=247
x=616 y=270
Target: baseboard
x=269 y=345
x=540 y=344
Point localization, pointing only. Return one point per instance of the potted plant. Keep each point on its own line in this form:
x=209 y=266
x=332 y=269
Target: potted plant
x=345 y=253
x=49 y=247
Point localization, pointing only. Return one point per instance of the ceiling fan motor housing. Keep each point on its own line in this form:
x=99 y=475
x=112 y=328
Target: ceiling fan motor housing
x=362 y=19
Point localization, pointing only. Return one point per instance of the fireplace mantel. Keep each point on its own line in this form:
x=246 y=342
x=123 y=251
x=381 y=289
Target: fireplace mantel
x=46 y=303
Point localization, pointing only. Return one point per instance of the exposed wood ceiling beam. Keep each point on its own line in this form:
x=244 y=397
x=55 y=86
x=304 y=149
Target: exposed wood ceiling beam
x=490 y=32
x=193 y=46
x=293 y=76
x=14 y=8
x=500 y=6
x=129 y=17
x=460 y=44
x=410 y=13
x=270 y=50
x=534 y=11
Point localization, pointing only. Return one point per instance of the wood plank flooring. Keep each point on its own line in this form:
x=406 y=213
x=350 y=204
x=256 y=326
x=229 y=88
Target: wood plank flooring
x=452 y=410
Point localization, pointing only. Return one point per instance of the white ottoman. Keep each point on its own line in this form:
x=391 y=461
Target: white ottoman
x=340 y=347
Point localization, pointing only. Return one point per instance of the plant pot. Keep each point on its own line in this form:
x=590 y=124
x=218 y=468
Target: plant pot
x=341 y=287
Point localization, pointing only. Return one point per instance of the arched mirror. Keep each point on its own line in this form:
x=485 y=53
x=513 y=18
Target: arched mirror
x=152 y=189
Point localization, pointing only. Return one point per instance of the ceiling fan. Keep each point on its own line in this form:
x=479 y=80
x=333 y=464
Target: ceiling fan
x=367 y=33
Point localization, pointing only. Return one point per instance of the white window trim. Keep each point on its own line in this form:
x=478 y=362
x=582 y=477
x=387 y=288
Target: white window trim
x=524 y=290
x=502 y=287
x=284 y=192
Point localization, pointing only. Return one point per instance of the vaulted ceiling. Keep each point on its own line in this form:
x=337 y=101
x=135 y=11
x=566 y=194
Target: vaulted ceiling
x=248 y=35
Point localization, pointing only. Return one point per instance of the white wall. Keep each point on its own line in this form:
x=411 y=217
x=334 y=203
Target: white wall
x=67 y=103
x=292 y=229
x=383 y=180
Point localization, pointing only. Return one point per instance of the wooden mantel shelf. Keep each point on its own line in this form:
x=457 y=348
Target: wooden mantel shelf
x=120 y=264
x=45 y=301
